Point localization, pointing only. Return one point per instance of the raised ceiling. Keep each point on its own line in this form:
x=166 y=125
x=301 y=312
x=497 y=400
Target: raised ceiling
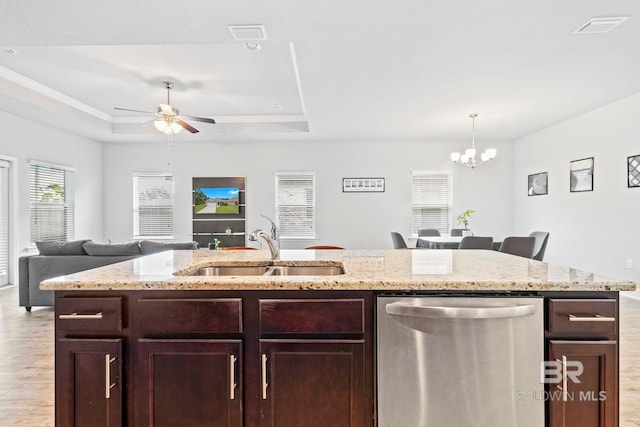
x=346 y=70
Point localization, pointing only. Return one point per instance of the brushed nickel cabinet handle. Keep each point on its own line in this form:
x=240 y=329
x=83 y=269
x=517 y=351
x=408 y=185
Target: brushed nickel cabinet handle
x=232 y=377
x=107 y=383
x=76 y=316
x=264 y=377
x=565 y=392
x=596 y=318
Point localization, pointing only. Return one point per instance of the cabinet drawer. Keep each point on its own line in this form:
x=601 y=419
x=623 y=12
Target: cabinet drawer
x=202 y=315
x=583 y=316
x=76 y=314
x=312 y=316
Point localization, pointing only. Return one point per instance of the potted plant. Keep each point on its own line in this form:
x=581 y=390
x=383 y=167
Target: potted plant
x=464 y=217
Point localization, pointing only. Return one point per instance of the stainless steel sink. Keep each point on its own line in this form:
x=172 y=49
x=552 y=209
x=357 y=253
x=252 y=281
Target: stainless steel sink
x=306 y=270
x=231 y=270
x=269 y=270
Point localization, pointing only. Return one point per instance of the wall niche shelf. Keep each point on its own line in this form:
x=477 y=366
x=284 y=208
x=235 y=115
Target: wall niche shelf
x=218 y=204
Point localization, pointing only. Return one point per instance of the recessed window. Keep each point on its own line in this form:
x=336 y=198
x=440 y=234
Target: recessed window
x=296 y=205
x=52 y=202
x=430 y=202
x=153 y=205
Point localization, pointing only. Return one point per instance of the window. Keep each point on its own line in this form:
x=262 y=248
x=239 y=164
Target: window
x=152 y=205
x=4 y=222
x=51 y=198
x=296 y=205
x=430 y=202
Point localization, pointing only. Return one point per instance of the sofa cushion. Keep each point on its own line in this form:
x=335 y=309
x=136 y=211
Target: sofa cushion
x=123 y=249
x=62 y=247
x=149 y=247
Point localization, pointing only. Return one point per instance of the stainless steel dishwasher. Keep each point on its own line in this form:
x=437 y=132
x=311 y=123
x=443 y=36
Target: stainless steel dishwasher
x=460 y=361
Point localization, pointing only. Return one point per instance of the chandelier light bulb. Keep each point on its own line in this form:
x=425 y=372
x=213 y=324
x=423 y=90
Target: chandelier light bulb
x=455 y=157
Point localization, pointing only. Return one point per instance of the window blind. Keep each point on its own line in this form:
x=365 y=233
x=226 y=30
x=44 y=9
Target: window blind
x=152 y=205
x=430 y=202
x=296 y=205
x=52 y=202
x=4 y=222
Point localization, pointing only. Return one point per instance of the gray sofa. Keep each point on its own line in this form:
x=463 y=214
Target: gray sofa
x=61 y=258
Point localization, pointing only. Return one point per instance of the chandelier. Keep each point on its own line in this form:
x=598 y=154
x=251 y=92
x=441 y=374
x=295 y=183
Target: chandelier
x=469 y=156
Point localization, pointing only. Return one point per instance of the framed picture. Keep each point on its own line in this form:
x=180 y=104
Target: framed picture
x=362 y=185
x=538 y=184
x=633 y=171
x=581 y=175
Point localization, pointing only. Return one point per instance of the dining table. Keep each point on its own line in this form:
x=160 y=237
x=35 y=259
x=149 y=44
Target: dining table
x=446 y=242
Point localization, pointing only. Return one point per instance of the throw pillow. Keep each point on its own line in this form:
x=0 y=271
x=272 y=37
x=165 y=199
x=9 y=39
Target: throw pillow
x=122 y=249
x=62 y=247
x=149 y=247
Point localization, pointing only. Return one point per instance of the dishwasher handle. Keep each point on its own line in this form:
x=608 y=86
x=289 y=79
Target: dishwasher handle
x=452 y=312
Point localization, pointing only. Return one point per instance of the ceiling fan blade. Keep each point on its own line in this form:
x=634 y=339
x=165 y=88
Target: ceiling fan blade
x=200 y=119
x=187 y=126
x=135 y=111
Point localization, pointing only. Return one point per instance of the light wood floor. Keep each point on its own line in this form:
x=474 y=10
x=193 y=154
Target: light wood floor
x=26 y=363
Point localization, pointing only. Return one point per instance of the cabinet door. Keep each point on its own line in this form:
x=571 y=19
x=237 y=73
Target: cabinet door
x=590 y=379
x=189 y=383
x=312 y=383
x=88 y=382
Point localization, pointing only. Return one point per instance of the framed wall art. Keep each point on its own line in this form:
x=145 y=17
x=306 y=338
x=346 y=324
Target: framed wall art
x=633 y=171
x=538 y=184
x=362 y=185
x=581 y=175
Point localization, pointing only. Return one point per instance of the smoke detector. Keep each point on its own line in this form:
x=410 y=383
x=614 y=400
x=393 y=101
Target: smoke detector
x=248 y=32
x=600 y=25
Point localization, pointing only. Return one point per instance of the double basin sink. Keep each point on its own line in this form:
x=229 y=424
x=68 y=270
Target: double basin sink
x=269 y=270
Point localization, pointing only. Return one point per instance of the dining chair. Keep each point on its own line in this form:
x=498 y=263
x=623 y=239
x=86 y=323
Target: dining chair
x=428 y=232
x=542 y=237
x=520 y=246
x=476 y=242
x=398 y=240
x=324 y=247
x=456 y=232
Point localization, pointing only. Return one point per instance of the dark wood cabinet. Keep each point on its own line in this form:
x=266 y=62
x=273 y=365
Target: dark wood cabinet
x=312 y=383
x=588 y=398
x=89 y=382
x=188 y=383
x=582 y=345
x=200 y=358
x=277 y=358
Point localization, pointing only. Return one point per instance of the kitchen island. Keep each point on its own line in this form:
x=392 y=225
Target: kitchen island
x=143 y=342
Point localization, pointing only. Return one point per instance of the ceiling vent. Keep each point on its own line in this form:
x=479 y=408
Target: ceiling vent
x=248 y=32
x=600 y=25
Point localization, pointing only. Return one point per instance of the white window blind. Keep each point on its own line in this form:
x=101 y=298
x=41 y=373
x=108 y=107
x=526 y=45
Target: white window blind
x=152 y=205
x=296 y=205
x=4 y=222
x=430 y=202
x=52 y=204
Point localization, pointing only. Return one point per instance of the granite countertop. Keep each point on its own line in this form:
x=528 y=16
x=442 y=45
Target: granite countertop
x=385 y=270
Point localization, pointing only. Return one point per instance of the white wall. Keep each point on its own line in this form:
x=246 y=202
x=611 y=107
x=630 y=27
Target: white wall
x=25 y=140
x=594 y=231
x=352 y=220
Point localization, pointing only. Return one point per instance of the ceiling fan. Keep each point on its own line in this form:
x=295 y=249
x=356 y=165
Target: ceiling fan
x=169 y=120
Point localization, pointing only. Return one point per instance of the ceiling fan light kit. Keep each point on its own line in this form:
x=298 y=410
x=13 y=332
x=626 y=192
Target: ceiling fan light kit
x=169 y=121
x=469 y=157
x=166 y=126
